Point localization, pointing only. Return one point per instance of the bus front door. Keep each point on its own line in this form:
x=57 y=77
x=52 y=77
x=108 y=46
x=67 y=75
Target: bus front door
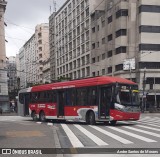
x=26 y=104
x=104 y=103
x=61 y=104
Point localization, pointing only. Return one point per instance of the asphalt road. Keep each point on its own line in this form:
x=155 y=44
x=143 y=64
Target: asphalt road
x=19 y=132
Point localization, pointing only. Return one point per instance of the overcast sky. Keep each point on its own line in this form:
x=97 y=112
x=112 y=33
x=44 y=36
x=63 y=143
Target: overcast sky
x=21 y=17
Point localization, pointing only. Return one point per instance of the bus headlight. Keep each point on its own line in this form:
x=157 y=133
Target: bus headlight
x=119 y=107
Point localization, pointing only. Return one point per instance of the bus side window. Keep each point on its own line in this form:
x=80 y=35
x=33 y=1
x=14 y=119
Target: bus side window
x=92 y=96
x=35 y=97
x=70 y=97
x=42 y=97
x=82 y=97
x=54 y=97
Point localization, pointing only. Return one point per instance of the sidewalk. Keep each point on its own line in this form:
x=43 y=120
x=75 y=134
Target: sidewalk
x=9 y=114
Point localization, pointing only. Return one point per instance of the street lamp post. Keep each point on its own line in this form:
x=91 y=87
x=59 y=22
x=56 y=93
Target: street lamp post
x=144 y=85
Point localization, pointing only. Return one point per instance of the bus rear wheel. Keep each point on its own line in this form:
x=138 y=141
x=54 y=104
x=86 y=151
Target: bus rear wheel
x=113 y=122
x=42 y=116
x=91 y=119
x=34 y=116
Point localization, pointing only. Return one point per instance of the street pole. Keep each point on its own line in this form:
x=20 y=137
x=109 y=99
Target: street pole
x=155 y=95
x=130 y=70
x=144 y=85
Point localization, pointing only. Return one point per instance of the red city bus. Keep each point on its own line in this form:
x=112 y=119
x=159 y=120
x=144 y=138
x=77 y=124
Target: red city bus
x=93 y=99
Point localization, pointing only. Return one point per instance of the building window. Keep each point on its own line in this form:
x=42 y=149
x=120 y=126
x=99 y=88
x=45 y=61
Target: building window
x=103 y=23
x=93 y=30
x=83 y=61
x=109 y=54
x=93 y=60
x=149 y=29
x=79 y=74
x=103 y=56
x=109 y=19
x=98 y=59
x=122 y=12
x=109 y=70
x=149 y=65
x=103 y=71
x=121 y=49
x=93 y=46
x=149 y=47
x=87 y=12
x=98 y=44
x=87 y=59
x=88 y=71
x=98 y=28
x=119 y=67
x=103 y=40
x=152 y=80
x=83 y=72
x=121 y=32
x=149 y=8
x=110 y=37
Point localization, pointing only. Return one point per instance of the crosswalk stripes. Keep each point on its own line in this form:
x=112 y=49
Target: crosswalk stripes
x=154 y=120
x=133 y=135
x=146 y=127
x=143 y=131
x=73 y=139
x=97 y=140
x=116 y=137
x=50 y=124
x=141 y=122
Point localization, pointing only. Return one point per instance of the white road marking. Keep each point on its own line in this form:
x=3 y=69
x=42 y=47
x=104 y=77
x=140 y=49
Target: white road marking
x=143 y=131
x=141 y=123
x=73 y=139
x=116 y=137
x=39 y=122
x=50 y=124
x=132 y=134
x=94 y=138
x=154 y=120
x=142 y=126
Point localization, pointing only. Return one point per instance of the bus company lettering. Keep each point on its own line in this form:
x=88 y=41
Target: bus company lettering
x=41 y=105
x=51 y=107
x=63 y=87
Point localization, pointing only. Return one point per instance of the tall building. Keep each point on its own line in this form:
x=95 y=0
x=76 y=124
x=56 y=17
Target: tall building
x=72 y=38
x=22 y=70
x=33 y=56
x=42 y=48
x=4 y=101
x=108 y=37
x=30 y=60
x=12 y=77
x=125 y=42
x=113 y=36
x=51 y=47
x=18 y=71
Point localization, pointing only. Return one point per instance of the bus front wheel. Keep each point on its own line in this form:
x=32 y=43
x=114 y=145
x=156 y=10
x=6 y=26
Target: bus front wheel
x=91 y=119
x=42 y=116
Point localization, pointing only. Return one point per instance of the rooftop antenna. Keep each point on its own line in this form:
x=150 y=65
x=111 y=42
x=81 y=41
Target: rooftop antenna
x=54 y=5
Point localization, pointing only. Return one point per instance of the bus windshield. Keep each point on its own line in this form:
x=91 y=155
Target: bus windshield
x=127 y=96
